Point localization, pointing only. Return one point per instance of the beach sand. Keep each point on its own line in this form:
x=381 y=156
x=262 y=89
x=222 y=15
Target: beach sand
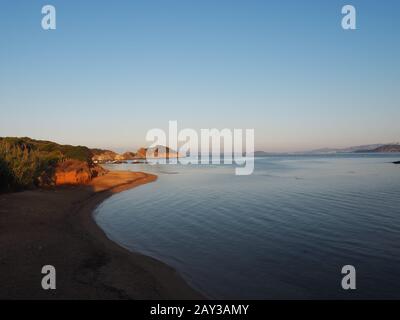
x=56 y=227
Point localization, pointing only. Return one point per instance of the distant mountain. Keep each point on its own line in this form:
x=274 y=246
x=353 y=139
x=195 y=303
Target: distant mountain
x=379 y=147
x=367 y=147
x=384 y=148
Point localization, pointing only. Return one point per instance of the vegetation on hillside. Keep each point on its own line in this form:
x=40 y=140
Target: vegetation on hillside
x=24 y=161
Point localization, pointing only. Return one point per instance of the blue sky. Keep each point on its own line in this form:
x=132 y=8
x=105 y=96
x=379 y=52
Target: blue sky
x=115 y=69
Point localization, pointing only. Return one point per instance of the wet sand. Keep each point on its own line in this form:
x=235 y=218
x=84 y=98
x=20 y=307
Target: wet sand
x=56 y=227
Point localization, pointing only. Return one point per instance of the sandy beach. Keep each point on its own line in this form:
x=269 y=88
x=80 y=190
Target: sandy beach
x=55 y=227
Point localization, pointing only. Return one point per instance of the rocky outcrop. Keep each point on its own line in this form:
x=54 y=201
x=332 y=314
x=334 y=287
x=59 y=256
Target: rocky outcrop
x=141 y=153
x=156 y=152
x=129 y=155
x=106 y=156
x=75 y=172
x=101 y=156
x=161 y=152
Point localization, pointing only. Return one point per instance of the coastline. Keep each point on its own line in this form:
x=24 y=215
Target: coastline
x=56 y=227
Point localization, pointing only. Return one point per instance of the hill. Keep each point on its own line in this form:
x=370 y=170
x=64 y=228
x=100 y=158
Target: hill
x=26 y=163
x=107 y=156
x=391 y=147
x=368 y=147
x=101 y=156
x=387 y=148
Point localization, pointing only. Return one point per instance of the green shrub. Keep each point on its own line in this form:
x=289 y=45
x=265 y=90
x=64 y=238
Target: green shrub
x=24 y=160
x=6 y=176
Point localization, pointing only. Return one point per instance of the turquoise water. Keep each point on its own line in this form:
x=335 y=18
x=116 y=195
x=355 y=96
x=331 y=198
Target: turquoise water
x=283 y=232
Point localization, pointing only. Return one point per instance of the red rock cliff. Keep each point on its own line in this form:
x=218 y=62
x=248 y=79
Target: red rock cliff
x=75 y=172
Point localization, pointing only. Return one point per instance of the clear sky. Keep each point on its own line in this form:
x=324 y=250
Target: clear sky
x=114 y=69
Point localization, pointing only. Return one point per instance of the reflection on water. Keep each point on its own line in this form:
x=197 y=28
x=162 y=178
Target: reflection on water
x=283 y=232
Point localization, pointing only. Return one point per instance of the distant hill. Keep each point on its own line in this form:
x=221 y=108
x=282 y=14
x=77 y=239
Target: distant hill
x=156 y=152
x=161 y=152
x=384 y=148
x=107 y=156
x=129 y=155
x=348 y=149
x=96 y=152
x=393 y=147
x=100 y=155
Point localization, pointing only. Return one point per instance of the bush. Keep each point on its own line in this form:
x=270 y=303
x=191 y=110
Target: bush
x=6 y=176
x=24 y=160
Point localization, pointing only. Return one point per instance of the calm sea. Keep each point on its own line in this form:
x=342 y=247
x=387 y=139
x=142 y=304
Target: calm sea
x=283 y=232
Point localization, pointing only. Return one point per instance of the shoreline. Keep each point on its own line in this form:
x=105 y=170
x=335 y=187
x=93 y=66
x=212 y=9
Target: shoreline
x=57 y=227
